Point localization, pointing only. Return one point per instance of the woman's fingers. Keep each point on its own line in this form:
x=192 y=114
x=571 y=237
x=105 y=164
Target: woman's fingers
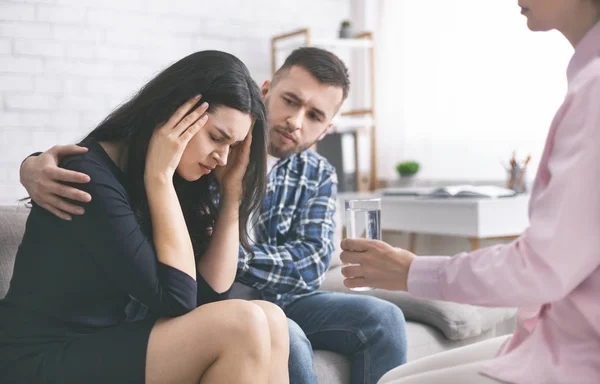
x=244 y=150
x=187 y=135
x=191 y=119
x=352 y=271
x=356 y=282
x=181 y=112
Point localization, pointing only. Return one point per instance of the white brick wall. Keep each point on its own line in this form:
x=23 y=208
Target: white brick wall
x=17 y=11
x=64 y=64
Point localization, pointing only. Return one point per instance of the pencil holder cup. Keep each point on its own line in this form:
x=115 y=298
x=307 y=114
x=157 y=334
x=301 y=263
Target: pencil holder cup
x=516 y=180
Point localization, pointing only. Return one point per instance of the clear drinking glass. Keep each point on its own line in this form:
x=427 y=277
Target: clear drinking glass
x=363 y=220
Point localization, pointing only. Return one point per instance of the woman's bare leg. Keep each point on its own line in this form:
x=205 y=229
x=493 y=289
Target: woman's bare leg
x=222 y=342
x=280 y=342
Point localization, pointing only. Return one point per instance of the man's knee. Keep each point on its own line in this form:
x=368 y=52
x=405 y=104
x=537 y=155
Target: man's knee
x=391 y=314
x=299 y=344
x=301 y=356
x=383 y=315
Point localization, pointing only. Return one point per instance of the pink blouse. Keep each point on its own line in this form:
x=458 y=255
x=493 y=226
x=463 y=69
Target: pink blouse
x=552 y=272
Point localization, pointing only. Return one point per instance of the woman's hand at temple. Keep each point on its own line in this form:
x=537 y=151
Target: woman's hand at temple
x=169 y=140
x=231 y=176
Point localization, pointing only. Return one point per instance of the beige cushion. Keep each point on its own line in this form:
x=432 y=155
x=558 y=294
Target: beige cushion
x=12 y=227
x=455 y=321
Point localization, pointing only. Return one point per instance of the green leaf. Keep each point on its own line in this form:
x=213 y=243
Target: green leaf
x=407 y=168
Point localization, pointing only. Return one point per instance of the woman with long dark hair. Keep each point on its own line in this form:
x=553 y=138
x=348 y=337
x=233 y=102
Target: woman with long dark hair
x=176 y=173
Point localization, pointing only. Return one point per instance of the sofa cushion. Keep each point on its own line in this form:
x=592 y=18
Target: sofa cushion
x=12 y=227
x=331 y=367
x=456 y=321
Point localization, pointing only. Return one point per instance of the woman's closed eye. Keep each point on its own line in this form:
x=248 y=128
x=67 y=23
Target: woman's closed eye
x=217 y=139
x=223 y=140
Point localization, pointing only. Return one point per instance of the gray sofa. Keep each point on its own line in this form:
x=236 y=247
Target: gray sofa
x=432 y=326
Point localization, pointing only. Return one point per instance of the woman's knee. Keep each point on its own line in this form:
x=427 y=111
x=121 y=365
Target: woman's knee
x=250 y=318
x=275 y=315
x=278 y=323
x=239 y=321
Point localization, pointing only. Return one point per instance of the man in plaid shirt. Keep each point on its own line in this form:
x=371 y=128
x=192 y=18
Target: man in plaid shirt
x=293 y=235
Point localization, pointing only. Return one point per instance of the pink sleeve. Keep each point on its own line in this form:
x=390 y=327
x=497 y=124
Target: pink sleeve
x=562 y=245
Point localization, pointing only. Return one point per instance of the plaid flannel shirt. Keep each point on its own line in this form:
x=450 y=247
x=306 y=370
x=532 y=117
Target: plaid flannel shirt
x=293 y=236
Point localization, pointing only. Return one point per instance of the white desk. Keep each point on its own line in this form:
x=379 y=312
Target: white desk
x=475 y=219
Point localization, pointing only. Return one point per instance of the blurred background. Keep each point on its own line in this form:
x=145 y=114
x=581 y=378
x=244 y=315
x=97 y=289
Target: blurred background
x=456 y=86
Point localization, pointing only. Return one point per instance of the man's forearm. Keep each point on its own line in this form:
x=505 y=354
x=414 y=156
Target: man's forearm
x=283 y=269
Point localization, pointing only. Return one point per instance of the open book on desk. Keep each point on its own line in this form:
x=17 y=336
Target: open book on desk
x=458 y=191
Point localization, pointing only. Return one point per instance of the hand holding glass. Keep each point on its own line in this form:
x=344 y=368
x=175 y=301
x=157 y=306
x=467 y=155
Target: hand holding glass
x=363 y=220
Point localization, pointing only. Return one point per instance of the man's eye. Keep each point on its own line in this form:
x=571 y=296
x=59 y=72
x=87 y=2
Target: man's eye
x=288 y=101
x=314 y=117
x=216 y=139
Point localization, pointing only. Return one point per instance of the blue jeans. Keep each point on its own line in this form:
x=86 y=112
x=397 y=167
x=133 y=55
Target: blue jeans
x=300 y=363
x=370 y=331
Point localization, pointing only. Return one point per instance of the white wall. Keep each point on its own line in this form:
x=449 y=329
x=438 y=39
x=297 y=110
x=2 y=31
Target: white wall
x=461 y=84
x=64 y=64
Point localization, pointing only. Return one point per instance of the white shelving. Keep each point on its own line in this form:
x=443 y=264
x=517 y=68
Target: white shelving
x=343 y=124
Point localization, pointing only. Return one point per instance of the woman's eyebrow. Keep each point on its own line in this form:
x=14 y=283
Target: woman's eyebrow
x=226 y=135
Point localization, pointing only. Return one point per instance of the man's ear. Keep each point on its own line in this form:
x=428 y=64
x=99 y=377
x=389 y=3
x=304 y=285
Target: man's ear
x=264 y=90
x=325 y=131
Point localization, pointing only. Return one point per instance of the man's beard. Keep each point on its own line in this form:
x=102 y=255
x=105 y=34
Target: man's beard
x=281 y=153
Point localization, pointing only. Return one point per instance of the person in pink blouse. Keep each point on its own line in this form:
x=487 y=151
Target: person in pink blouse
x=552 y=272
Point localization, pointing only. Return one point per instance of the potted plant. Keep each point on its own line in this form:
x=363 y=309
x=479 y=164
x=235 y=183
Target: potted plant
x=407 y=170
x=346 y=30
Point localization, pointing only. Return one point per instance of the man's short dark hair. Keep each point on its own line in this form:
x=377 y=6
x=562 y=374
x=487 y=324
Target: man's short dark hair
x=326 y=67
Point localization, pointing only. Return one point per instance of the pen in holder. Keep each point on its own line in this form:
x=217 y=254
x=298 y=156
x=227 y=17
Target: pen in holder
x=517 y=175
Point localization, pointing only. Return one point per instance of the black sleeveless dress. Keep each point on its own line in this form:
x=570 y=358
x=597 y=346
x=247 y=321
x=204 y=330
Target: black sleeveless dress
x=63 y=319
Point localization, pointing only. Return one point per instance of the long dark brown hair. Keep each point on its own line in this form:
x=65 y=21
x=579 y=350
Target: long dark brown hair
x=222 y=80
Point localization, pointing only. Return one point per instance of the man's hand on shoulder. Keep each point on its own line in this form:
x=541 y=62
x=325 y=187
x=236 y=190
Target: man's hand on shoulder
x=45 y=181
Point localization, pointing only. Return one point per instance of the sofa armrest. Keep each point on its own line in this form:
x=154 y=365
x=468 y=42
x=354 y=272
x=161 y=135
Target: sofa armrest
x=12 y=227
